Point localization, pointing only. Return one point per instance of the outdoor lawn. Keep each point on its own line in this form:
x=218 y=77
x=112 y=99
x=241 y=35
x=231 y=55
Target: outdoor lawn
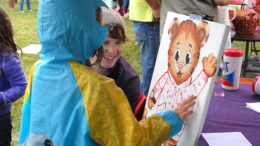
x=24 y=25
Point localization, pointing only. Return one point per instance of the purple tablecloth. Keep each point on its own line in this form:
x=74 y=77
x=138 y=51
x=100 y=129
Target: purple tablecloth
x=228 y=113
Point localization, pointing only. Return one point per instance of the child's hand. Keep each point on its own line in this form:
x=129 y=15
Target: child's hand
x=183 y=108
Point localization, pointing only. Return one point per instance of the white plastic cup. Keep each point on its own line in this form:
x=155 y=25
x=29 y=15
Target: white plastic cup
x=232 y=63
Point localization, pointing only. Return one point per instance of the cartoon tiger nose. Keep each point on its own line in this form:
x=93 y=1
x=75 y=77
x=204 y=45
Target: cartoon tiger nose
x=180 y=66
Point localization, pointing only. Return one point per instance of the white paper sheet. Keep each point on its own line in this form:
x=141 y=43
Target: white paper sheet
x=226 y=139
x=32 y=48
x=254 y=106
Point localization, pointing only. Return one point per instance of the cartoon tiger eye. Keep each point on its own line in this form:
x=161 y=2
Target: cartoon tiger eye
x=188 y=57
x=177 y=54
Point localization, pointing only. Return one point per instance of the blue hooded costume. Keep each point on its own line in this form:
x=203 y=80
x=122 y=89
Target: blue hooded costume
x=73 y=105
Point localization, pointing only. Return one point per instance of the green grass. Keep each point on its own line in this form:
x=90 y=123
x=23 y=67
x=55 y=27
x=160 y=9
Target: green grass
x=24 y=25
x=131 y=51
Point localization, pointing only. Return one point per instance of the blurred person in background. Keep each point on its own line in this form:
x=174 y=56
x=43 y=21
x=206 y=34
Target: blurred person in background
x=27 y=4
x=146 y=28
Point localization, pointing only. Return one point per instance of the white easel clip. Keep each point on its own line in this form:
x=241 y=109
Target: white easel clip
x=195 y=17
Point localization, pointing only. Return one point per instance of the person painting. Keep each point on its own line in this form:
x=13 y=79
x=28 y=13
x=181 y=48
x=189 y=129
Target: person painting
x=112 y=64
x=12 y=79
x=67 y=103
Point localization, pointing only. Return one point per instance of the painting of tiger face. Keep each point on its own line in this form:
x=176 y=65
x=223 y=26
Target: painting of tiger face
x=186 y=41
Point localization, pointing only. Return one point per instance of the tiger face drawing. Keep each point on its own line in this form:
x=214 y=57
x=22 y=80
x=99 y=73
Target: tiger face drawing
x=186 y=41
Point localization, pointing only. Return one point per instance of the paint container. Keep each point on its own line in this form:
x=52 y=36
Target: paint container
x=232 y=64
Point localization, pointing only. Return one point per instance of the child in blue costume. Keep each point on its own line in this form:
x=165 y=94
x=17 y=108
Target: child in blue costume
x=12 y=79
x=68 y=104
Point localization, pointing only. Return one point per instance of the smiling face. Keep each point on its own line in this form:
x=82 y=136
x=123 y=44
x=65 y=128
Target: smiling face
x=183 y=54
x=184 y=51
x=183 y=57
x=107 y=55
x=112 y=50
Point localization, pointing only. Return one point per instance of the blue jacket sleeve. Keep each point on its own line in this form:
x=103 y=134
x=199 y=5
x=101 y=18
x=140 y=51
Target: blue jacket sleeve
x=14 y=74
x=175 y=122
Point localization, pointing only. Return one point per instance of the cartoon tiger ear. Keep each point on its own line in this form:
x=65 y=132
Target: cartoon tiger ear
x=203 y=33
x=174 y=28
